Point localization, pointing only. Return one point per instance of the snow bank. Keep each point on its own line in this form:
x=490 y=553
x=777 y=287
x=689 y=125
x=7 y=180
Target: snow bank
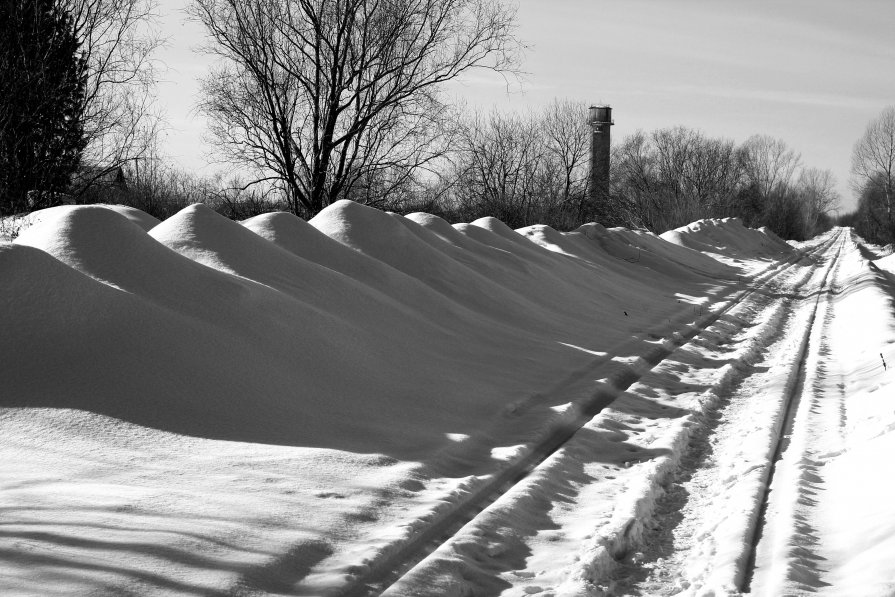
x=254 y=343
x=638 y=248
x=357 y=342
x=728 y=237
x=140 y=218
x=886 y=263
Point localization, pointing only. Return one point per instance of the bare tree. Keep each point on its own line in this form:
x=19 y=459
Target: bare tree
x=817 y=189
x=633 y=176
x=499 y=156
x=769 y=164
x=873 y=160
x=317 y=95
x=117 y=39
x=568 y=144
x=675 y=175
x=522 y=168
x=769 y=196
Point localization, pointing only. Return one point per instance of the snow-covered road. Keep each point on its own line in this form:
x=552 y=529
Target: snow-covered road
x=676 y=512
x=683 y=510
x=372 y=404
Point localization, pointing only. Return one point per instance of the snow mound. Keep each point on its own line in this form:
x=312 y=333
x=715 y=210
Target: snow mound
x=401 y=358
x=241 y=360
x=494 y=233
x=209 y=238
x=77 y=343
x=886 y=263
x=660 y=255
x=421 y=254
x=293 y=234
x=381 y=236
x=204 y=236
x=138 y=217
x=441 y=227
x=593 y=242
x=500 y=229
x=110 y=248
x=375 y=312
x=728 y=237
x=552 y=239
x=446 y=232
x=273 y=331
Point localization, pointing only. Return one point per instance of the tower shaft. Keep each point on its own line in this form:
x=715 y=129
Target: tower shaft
x=600 y=119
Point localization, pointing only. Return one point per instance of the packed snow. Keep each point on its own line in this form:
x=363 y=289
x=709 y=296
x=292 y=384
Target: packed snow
x=368 y=402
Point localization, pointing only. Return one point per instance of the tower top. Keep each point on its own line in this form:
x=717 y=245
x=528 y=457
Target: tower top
x=600 y=115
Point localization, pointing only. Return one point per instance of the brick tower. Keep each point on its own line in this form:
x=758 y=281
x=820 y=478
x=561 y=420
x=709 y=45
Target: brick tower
x=600 y=119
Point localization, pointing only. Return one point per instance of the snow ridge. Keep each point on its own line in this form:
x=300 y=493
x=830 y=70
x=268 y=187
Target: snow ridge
x=306 y=399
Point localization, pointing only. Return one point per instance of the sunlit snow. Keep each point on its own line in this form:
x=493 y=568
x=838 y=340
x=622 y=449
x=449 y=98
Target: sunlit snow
x=200 y=406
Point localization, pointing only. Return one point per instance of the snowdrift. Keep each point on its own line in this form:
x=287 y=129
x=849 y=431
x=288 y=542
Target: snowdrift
x=325 y=333
x=356 y=341
x=728 y=237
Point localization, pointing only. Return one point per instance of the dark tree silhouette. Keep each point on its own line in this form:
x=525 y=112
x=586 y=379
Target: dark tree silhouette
x=42 y=87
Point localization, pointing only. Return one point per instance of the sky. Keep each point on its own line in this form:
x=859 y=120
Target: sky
x=811 y=72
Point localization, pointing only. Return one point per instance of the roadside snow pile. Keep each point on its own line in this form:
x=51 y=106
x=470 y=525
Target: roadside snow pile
x=886 y=263
x=642 y=248
x=12 y=226
x=729 y=238
x=365 y=370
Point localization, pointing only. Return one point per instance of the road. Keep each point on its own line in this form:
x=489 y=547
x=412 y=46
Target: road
x=698 y=469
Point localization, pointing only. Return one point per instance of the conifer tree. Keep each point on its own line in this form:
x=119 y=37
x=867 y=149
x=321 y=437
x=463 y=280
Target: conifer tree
x=42 y=86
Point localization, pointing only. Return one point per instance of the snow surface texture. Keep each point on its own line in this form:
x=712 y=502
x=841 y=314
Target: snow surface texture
x=200 y=406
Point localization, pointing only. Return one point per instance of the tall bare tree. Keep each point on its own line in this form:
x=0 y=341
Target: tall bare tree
x=317 y=95
x=499 y=160
x=568 y=143
x=769 y=164
x=117 y=39
x=873 y=160
x=675 y=175
x=818 y=195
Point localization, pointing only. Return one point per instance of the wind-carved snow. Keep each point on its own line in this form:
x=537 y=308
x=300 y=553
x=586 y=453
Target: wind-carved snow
x=370 y=403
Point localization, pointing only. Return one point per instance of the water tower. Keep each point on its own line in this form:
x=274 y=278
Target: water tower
x=600 y=119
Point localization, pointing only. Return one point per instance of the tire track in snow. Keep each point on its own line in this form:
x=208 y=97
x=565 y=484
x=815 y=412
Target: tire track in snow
x=704 y=523
x=678 y=523
x=397 y=560
x=785 y=557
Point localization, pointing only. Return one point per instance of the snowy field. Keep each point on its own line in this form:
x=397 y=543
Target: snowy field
x=370 y=404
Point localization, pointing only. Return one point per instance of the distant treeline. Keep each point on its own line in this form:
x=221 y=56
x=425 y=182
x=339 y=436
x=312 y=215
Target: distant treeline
x=873 y=180
x=532 y=168
x=314 y=102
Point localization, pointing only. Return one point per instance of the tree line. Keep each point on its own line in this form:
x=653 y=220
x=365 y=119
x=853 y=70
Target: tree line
x=533 y=168
x=873 y=180
x=673 y=176
x=313 y=101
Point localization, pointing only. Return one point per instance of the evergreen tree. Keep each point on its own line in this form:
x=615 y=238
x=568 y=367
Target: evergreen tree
x=42 y=87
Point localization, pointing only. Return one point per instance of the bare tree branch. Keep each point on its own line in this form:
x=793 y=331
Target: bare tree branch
x=328 y=95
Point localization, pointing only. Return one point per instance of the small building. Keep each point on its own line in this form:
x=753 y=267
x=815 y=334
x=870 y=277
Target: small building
x=105 y=176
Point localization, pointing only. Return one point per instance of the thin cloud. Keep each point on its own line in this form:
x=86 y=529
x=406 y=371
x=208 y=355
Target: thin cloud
x=781 y=96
